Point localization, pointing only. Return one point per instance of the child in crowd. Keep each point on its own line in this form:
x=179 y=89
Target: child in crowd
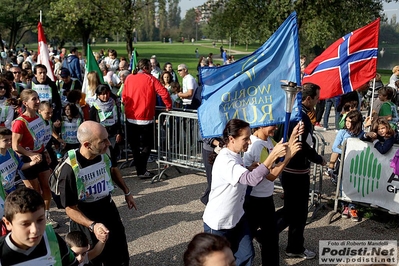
x=71 y=120
x=46 y=111
x=353 y=128
x=349 y=106
x=79 y=244
x=30 y=241
x=6 y=111
x=208 y=249
x=76 y=97
x=10 y=163
x=388 y=109
x=382 y=135
x=173 y=91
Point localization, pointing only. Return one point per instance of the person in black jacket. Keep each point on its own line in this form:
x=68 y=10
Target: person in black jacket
x=47 y=90
x=296 y=179
x=106 y=111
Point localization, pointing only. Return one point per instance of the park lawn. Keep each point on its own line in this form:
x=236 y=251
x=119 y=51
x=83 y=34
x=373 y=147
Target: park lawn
x=175 y=53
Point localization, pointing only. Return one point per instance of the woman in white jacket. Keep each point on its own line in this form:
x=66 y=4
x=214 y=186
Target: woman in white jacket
x=224 y=213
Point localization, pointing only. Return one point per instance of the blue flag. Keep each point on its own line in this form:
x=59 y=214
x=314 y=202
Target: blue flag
x=250 y=88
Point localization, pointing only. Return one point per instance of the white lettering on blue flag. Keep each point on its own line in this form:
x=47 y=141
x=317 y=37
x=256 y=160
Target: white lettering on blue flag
x=250 y=88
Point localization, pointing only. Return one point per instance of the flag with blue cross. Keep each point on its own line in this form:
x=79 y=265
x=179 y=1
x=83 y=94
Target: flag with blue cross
x=347 y=64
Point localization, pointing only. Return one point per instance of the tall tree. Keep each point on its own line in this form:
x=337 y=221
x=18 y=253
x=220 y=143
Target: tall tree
x=19 y=17
x=174 y=14
x=162 y=19
x=78 y=19
x=189 y=26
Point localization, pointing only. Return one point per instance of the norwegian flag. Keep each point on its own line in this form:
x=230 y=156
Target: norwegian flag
x=347 y=64
x=43 y=55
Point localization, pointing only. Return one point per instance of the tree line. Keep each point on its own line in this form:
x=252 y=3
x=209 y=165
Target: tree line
x=320 y=22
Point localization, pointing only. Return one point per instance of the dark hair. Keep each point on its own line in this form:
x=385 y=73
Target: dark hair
x=22 y=200
x=144 y=64
x=102 y=88
x=74 y=110
x=309 y=90
x=5 y=131
x=113 y=52
x=382 y=121
x=356 y=122
x=74 y=96
x=8 y=75
x=165 y=73
x=350 y=105
x=175 y=85
x=201 y=246
x=386 y=91
x=234 y=129
x=167 y=63
x=39 y=66
x=76 y=239
x=73 y=50
x=7 y=87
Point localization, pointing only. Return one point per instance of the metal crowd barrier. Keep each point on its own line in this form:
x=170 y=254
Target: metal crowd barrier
x=178 y=142
x=317 y=177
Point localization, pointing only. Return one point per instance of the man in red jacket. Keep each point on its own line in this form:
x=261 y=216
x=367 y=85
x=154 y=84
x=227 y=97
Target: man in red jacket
x=139 y=97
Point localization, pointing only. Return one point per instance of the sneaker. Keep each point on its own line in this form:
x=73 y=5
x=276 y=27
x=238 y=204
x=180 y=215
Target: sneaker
x=146 y=175
x=307 y=254
x=328 y=172
x=353 y=215
x=317 y=124
x=319 y=128
x=53 y=223
x=345 y=213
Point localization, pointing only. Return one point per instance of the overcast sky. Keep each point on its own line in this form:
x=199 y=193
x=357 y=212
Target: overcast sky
x=392 y=8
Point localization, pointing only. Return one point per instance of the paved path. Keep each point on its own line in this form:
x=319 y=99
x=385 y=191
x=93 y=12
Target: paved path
x=170 y=214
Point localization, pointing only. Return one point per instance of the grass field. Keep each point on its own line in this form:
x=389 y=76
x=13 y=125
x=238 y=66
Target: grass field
x=178 y=53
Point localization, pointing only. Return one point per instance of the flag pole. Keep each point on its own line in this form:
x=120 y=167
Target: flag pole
x=372 y=99
x=40 y=16
x=371 y=105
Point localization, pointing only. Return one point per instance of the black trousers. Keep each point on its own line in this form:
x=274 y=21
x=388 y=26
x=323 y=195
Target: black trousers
x=104 y=211
x=140 y=136
x=296 y=196
x=320 y=106
x=261 y=214
x=208 y=169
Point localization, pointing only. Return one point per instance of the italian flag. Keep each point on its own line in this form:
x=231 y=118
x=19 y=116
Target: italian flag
x=43 y=54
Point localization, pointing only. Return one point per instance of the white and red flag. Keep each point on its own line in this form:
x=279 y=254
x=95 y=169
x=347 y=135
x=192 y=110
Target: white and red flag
x=43 y=54
x=347 y=64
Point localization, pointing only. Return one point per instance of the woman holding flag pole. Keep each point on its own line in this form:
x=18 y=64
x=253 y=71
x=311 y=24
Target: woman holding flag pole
x=224 y=213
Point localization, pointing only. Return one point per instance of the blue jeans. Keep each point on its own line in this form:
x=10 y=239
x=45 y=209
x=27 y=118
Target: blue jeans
x=329 y=103
x=240 y=241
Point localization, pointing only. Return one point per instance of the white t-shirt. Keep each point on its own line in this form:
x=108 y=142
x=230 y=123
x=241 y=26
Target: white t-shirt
x=253 y=154
x=225 y=207
x=189 y=83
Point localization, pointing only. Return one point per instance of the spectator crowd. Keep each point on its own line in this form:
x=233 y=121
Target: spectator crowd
x=70 y=130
